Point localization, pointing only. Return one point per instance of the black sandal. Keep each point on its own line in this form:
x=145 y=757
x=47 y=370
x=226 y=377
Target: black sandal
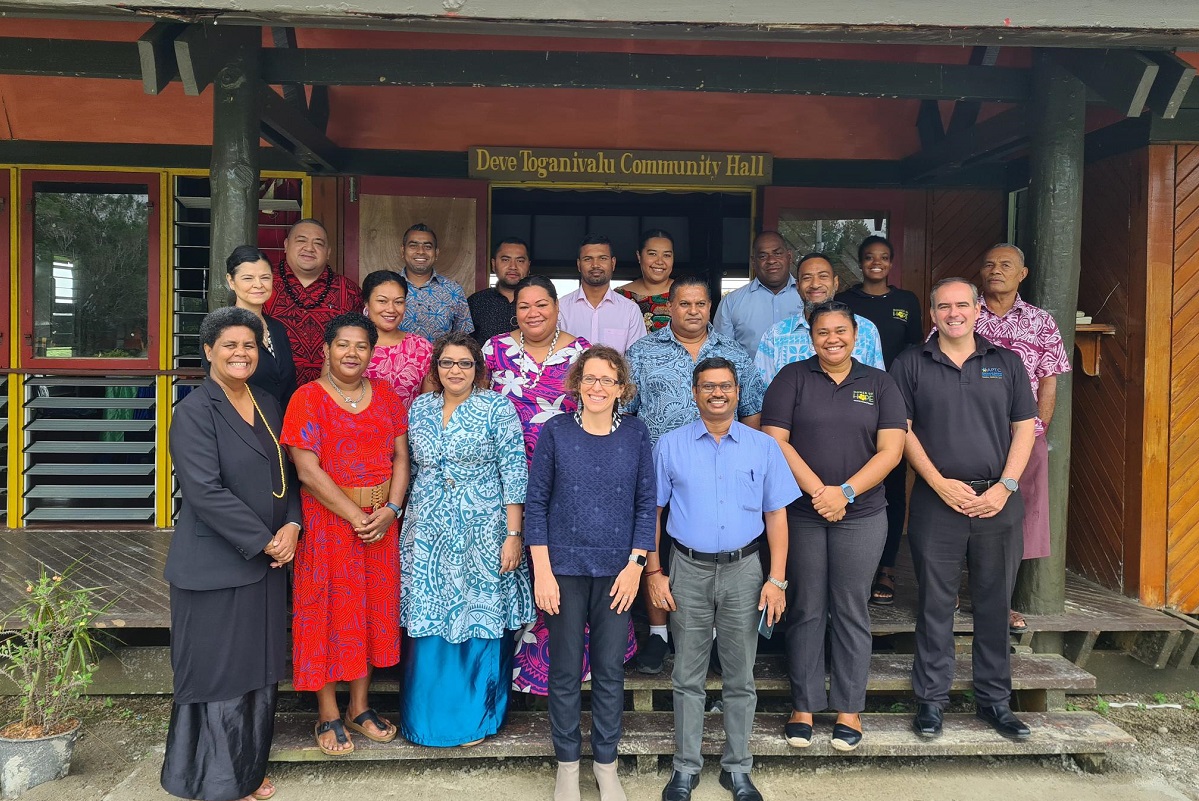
x=882 y=592
x=339 y=732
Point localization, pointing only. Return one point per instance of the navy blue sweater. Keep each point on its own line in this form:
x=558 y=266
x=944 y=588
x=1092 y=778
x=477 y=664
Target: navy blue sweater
x=591 y=498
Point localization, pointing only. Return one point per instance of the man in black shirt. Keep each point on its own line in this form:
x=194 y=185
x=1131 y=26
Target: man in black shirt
x=971 y=417
x=492 y=309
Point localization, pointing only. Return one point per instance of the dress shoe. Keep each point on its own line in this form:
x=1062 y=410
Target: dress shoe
x=928 y=720
x=1003 y=721
x=799 y=735
x=680 y=786
x=845 y=738
x=740 y=785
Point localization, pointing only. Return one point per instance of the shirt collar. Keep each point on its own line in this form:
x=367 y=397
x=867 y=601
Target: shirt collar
x=434 y=278
x=615 y=418
x=755 y=285
x=609 y=297
x=668 y=334
x=1018 y=308
x=698 y=430
x=933 y=346
x=856 y=368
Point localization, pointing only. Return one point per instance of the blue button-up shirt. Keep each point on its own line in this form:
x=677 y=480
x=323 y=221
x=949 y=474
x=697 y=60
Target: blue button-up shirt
x=745 y=314
x=717 y=491
x=791 y=341
x=436 y=309
x=661 y=370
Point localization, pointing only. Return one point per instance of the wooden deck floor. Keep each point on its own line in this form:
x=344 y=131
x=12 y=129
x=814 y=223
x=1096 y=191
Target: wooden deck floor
x=127 y=566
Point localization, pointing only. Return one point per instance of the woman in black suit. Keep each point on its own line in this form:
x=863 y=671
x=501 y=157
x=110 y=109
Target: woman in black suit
x=237 y=528
x=250 y=279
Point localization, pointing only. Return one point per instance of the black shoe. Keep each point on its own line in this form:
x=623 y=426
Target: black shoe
x=652 y=655
x=740 y=785
x=798 y=735
x=845 y=738
x=680 y=786
x=928 y=721
x=1003 y=721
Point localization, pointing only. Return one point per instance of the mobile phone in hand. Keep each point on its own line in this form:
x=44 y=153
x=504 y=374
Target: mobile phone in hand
x=763 y=629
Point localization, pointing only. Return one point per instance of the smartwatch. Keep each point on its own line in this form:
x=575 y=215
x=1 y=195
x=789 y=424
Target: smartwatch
x=849 y=493
x=636 y=559
x=1010 y=483
x=393 y=508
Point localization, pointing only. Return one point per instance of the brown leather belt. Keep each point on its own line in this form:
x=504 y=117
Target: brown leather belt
x=369 y=497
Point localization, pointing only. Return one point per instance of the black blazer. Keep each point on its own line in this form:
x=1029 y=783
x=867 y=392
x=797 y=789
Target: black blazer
x=225 y=478
x=275 y=374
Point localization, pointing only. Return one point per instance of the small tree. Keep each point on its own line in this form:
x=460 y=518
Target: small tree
x=51 y=658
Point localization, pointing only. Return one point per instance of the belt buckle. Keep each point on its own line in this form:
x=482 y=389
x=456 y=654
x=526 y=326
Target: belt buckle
x=728 y=557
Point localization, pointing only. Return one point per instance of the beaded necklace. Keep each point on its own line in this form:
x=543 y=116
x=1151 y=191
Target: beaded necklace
x=278 y=447
x=540 y=367
x=295 y=297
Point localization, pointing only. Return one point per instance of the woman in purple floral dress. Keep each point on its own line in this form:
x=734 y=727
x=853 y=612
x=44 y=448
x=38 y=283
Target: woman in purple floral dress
x=529 y=367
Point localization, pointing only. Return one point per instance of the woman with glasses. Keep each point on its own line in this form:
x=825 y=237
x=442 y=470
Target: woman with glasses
x=841 y=426
x=589 y=520
x=465 y=584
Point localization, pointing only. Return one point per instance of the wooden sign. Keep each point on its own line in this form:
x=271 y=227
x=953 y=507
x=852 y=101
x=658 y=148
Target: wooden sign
x=652 y=167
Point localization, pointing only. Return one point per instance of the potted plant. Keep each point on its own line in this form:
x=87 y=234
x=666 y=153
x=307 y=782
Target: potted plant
x=51 y=659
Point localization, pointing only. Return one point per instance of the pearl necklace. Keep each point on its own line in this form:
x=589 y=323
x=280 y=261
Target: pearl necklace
x=540 y=367
x=353 y=403
x=278 y=447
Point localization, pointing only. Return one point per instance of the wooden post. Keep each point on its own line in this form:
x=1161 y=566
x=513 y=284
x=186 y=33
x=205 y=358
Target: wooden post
x=236 y=122
x=1055 y=215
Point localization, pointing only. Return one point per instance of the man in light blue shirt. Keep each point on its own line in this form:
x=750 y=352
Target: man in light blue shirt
x=791 y=340
x=721 y=479
x=660 y=364
x=436 y=305
x=746 y=313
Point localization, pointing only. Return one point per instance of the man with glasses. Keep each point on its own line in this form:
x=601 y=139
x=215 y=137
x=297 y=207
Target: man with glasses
x=746 y=313
x=660 y=366
x=722 y=479
x=594 y=311
x=436 y=304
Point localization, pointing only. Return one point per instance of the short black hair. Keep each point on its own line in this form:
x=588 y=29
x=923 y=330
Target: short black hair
x=244 y=254
x=379 y=277
x=215 y=323
x=308 y=221
x=811 y=257
x=595 y=239
x=713 y=363
x=510 y=240
x=420 y=227
x=875 y=239
x=690 y=279
x=351 y=320
x=831 y=307
x=530 y=281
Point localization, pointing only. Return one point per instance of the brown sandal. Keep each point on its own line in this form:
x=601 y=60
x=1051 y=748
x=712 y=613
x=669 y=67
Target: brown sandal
x=371 y=716
x=339 y=732
x=265 y=790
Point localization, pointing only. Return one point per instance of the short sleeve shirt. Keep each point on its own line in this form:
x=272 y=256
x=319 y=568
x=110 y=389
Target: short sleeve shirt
x=791 y=341
x=963 y=416
x=834 y=426
x=492 y=314
x=436 y=309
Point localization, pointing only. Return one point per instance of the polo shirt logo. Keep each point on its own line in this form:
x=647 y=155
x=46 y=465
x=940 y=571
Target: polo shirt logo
x=900 y=314
x=992 y=372
x=863 y=396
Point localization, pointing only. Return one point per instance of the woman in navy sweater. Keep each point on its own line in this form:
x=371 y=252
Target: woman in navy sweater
x=589 y=521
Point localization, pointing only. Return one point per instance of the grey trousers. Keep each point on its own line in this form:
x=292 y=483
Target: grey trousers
x=724 y=596
x=830 y=566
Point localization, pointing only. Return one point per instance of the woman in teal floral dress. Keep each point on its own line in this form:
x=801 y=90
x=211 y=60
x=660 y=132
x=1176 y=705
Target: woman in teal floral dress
x=465 y=583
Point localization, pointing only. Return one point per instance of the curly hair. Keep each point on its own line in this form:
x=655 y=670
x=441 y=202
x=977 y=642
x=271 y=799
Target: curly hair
x=574 y=379
x=482 y=374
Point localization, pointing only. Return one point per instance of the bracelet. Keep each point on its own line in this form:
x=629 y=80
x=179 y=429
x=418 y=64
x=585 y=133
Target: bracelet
x=649 y=573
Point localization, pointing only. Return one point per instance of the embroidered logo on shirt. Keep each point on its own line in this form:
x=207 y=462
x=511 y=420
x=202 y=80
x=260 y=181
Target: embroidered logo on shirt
x=992 y=372
x=863 y=396
x=900 y=314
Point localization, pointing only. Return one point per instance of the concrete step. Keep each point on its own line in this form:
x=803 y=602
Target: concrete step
x=649 y=734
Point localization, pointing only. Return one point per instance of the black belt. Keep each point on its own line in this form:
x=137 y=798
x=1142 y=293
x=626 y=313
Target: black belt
x=724 y=557
x=980 y=487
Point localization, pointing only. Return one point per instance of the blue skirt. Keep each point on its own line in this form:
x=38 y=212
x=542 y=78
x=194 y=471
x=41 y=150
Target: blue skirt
x=454 y=693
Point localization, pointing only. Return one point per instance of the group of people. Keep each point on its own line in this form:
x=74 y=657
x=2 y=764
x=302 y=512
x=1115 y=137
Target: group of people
x=467 y=486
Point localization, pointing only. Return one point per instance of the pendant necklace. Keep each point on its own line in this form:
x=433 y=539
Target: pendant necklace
x=540 y=367
x=353 y=403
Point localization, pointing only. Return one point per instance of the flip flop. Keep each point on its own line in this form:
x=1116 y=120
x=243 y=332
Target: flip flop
x=373 y=717
x=265 y=790
x=1016 y=624
x=339 y=732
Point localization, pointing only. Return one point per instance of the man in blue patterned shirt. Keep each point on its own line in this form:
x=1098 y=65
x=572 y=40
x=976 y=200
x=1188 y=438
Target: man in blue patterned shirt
x=791 y=340
x=436 y=304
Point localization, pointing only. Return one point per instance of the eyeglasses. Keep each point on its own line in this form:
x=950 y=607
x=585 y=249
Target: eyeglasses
x=708 y=388
x=603 y=381
x=463 y=364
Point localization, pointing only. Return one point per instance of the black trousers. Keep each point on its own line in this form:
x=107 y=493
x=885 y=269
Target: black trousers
x=585 y=600
x=895 y=487
x=940 y=539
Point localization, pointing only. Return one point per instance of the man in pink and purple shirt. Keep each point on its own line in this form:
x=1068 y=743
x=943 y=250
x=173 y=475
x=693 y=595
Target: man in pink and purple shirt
x=1009 y=322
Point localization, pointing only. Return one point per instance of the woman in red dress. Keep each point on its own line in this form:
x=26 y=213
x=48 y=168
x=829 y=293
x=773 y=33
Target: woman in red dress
x=348 y=437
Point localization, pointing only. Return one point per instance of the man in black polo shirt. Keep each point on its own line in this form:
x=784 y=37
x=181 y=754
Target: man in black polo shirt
x=970 y=432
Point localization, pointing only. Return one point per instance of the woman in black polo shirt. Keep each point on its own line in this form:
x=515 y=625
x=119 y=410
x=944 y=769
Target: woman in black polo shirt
x=841 y=426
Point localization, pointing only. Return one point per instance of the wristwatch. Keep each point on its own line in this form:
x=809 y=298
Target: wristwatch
x=782 y=585
x=636 y=559
x=1010 y=483
x=393 y=508
x=849 y=493
x=512 y=532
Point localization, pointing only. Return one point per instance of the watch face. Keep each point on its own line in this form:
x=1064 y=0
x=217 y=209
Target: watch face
x=1011 y=484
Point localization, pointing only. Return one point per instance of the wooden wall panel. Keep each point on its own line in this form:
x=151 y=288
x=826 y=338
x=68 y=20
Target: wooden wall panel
x=1182 y=545
x=384 y=218
x=962 y=224
x=1103 y=479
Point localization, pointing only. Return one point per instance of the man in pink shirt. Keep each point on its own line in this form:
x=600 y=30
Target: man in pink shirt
x=593 y=311
x=1006 y=320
